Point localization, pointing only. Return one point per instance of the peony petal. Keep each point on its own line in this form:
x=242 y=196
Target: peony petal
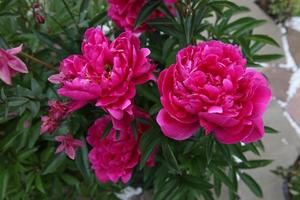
x=173 y=128
x=5 y=74
x=15 y=50
x=257 y=133
x=17 y=65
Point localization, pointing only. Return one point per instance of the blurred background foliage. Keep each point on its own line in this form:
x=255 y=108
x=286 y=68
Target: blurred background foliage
x=29 y=169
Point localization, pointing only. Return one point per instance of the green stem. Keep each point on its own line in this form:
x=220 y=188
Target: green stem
x=38 y=61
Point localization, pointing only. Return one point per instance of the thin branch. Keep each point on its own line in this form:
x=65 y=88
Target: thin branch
x=38 y=61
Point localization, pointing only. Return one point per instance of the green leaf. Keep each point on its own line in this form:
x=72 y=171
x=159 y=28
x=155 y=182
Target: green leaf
x=148 y=143
x=84 y=9
x=17 y=101
x=238 y=24
x=53 y=164
x=222 y=176
x=146 y=11
x=134 y=129
x=145 y=91
x=39 y=184
x=4 y=177
x=82 y=161
x=270 y=130
x=170 y=156
x=217 y=186
x=8 y=141
x=248 y=27
x=26 y=153
x=3 y=44
x=107 y=130
x=197 y=183
x=252 y=184
x=223 y=3
x=98 y=19
x=254 y=164
x=70 y=180
x=266 y=57
x=263 y=39
x=209 y=148
x=163 y=192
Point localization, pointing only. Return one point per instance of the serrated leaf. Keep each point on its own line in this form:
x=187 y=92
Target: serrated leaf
x=146 y=11
x=252 y=184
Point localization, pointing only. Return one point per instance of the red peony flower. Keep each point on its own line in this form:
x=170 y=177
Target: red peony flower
x=106 y=73
x=210 y=87
x=114 y=157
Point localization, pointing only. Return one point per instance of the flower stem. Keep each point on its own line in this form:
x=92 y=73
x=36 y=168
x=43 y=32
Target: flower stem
x=38 y=61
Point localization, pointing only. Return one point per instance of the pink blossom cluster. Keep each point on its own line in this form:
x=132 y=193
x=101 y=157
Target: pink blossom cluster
x=106 y=75
x=125 y=12
x=10 y=64
x=209 y=86
x=116 y=156
x=58 y=111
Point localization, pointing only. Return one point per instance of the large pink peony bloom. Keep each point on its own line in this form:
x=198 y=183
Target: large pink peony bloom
x=10 y=64
x=106 y=73
x=125 y=12
x=114 y=157
x=210 y=87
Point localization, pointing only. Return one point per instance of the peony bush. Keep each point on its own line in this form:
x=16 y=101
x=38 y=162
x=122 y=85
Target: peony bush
x=99 y=96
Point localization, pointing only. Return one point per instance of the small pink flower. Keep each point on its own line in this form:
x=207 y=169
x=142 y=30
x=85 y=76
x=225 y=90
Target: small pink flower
x=58 y=111
x=107 y=72
x=114 y=158
x=10 y=64
x=68 y=145
x=210 y=87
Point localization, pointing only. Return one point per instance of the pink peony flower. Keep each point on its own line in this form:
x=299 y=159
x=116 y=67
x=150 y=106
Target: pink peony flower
x=10 y=64
x=57 y=112
x=68 y=145
x=106 y=73
x=114 y=158
x=210 y=87
x=125 y=12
